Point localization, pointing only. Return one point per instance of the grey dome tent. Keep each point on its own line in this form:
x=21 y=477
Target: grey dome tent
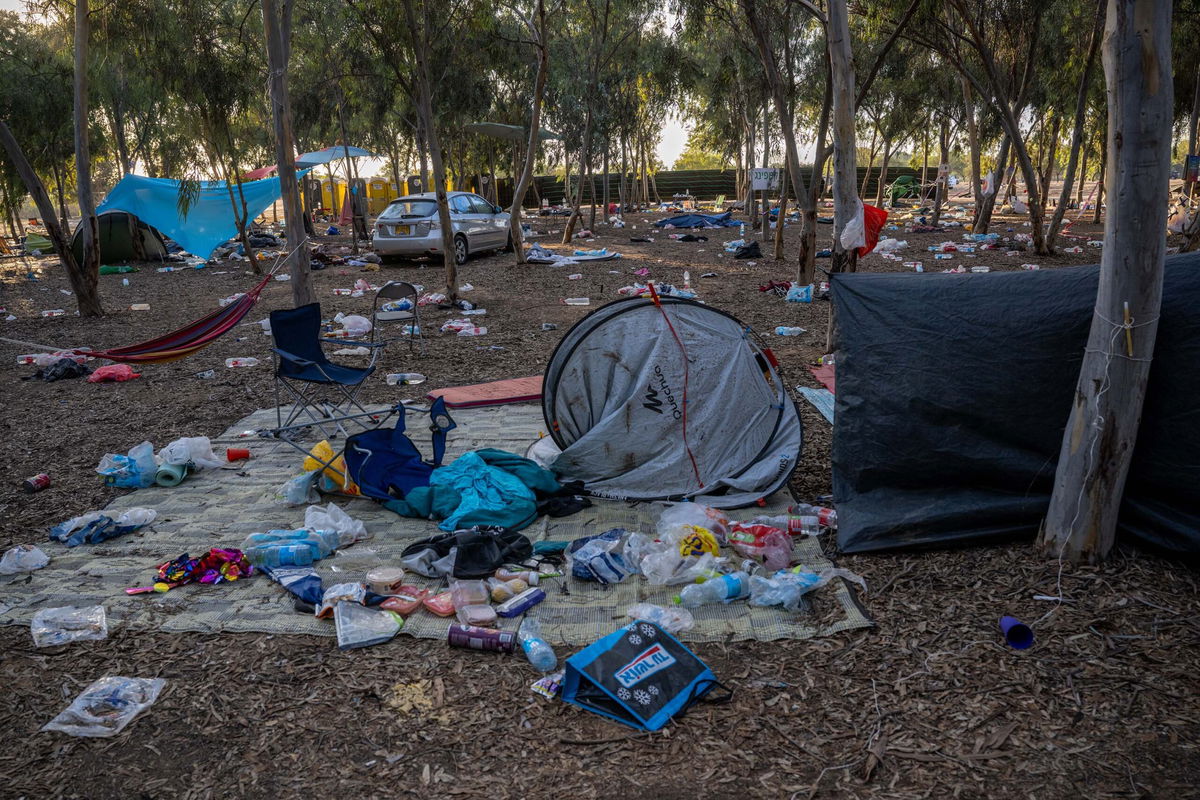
x=123 y=237
x=614 y=397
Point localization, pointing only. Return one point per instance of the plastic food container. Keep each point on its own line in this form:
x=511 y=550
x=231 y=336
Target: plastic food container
x=468 y=593
x=521 y=603
x=385 y=580
x=441 y=604
x=480 y=614
x=405 y=600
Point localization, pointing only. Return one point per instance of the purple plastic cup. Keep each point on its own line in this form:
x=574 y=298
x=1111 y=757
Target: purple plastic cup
x=1018 y=635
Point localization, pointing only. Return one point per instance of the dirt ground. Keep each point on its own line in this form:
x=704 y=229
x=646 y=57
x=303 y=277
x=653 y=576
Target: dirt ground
x=927 y=704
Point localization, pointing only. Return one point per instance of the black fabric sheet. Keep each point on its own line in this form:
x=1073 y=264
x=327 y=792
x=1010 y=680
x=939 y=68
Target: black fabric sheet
x=953 y=391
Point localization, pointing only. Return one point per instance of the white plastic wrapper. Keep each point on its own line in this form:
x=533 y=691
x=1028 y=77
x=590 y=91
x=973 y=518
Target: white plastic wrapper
x=55 y=626
x=854 y=235
x=333 y=518
x=702 y=516
x=673 y=620
x=190 y=449
x=353 y=324
x=107 y=706
x=1019 y=205
x=300 y=490
x=23 y=558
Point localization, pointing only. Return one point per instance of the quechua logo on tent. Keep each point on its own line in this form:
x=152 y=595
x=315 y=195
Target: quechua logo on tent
x=659 y=386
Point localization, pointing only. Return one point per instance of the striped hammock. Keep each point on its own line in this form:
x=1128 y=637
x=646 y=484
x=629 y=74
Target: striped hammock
x=189 y=339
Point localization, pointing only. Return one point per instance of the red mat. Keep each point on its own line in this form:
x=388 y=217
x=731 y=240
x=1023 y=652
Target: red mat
x=496 y=393
x=824 y=374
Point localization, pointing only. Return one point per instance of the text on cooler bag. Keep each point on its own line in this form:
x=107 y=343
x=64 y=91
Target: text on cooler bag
x=649 y=661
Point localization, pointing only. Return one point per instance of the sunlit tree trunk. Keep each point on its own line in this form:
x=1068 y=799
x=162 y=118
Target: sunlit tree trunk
x=1099 y=439
x=86 y=281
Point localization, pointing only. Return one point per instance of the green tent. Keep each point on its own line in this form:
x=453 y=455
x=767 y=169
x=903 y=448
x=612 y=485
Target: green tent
x=123 y=237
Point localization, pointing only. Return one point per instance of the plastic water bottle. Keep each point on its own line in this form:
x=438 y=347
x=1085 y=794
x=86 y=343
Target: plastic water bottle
x=540 y=654
x=719 y=590
x=280 y=555
x=166 y=269
x=405 y=378
x=124 y=281
x=140 y=307
x=825 y=516
x=742 y=231
x=578 y=301
x=784 y=330
x=241 y=362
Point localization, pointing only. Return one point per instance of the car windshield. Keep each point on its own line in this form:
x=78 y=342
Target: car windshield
x=409 y=208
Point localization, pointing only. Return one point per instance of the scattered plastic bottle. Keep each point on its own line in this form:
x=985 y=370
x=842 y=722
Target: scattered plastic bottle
x=687 y=280
x=241 y=362
x=472 y=331
x=578 y=301
x=575 y=277
x=405 y=378
x=549 y=326
x=54 y=312
x=280 y=555
x=671 y=620
x=540 y=654
x=718 y=590
x=784 y=330
x=140 y=307
x=742 y=231
x=826 y=516
x=167 y=269
x=124 y=281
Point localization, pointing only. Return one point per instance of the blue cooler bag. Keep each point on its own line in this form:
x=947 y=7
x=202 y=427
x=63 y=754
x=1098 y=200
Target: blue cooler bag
x=639 y=675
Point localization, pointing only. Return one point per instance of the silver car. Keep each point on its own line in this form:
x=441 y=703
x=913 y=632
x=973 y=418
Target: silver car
x=409 y=226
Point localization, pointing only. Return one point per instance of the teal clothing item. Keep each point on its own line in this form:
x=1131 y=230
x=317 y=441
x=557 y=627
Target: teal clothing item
x=481 y=487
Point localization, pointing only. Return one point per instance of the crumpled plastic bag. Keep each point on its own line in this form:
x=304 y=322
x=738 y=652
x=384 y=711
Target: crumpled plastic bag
x=338 y=593
x=664 y=566
x=786 y=587
x=190 y=450
x=107 y=706
x=98 y=526
x=676 y=516
x=54 y=626
x=674 y=620
x=336 y=476
x=600 y=558
x=333 y=518
x=854 y=235
x=118 y=373
x=770 y=545
x=133 y=471
x=299 y=491
x=23 y=558
x=353 y=324
x=799 y=294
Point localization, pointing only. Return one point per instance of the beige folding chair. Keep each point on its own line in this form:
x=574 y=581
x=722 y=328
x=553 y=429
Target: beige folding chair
x=394 y=291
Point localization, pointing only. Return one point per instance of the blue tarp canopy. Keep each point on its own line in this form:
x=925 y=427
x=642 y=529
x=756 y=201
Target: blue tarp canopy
x=699 y=221
x=209 y=222
x=330 y=154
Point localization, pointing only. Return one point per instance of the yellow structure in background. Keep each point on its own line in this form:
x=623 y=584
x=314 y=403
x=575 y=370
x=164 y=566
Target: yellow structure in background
x=380 y=192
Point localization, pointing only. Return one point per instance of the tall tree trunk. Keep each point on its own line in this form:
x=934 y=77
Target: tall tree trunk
x=1099 y=440
x=1085 y=79
x=783 y=203
x=59 y=189
x=943 y=181
x=973 y=143
x=584 y=157
x=58 y=235
x=807 y=265
x=1083 y=171
x=535 y=121
x=423 y=149
x=419 y=26
x=606 y=195
x=883 y=170
x=862 y=191
x=277 y=27
x=89 y=269
x=1051 y=154
x=846 y=204
x=1100 y=186
x=354 y=211
x=983 y=214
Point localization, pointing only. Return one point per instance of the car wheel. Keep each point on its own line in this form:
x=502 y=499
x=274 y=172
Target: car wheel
x=460 y=249
x=508 y=246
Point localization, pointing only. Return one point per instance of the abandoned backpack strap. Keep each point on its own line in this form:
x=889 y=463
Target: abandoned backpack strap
x=701 y=694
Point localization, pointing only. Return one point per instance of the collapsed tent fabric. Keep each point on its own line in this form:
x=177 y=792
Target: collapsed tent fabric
x=616 y=396
x=209 y=221
x=699 y=221
x=953 y=392
x=123 y=237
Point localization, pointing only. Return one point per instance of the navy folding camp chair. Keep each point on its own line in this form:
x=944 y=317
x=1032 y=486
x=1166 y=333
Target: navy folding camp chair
x=304 y=371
